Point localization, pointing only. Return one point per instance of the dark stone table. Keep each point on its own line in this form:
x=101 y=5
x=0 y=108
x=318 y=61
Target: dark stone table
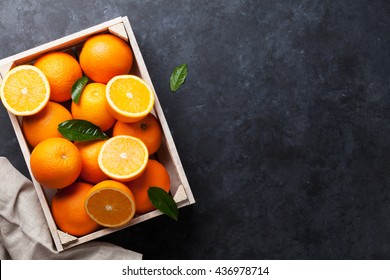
x=283 y=124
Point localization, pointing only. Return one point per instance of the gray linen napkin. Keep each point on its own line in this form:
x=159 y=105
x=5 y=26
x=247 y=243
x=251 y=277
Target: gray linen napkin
x=24 y=233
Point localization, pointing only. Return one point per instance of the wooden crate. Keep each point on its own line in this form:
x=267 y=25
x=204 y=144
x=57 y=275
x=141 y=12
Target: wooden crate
x=167 y=154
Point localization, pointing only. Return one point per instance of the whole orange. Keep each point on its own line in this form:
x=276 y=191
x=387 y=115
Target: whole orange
x=105 y=56
x=55 y=163
x=89 y=151
x=155 y=175
x=92 y=106
x=147 y=129
x=68 y=210
x=62 y=70
x=43 y=125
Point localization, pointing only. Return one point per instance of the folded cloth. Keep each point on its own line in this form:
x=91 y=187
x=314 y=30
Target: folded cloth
x=24 y=233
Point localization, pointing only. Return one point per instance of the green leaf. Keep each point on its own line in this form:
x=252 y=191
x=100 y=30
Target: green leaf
x=163 y=201
x=80 y=130
x=77 y=88
x=178 y=77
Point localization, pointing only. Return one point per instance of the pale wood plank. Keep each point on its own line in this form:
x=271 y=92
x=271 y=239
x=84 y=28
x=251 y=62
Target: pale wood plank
x=105 y=231
x=165 y=158
x=4 y=68
x=119 y=30
x=180 y=194
x=65 y=237
x=39 y=190
x=134 y=221
x=138 y=59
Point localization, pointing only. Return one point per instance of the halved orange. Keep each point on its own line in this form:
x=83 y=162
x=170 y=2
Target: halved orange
x=129 y=98
x=25 y=90
x=110 y=204
x=123 y=158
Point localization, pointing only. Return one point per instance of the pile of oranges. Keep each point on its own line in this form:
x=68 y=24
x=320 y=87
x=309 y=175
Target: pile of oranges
x=100 y=183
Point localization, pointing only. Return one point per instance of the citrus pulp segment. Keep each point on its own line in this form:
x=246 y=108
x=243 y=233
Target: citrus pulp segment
x=25 y=90
x=123 y=158
x=129 y=98
x=110 y=204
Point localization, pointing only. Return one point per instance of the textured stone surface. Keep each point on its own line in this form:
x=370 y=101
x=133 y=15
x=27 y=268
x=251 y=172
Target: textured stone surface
x=282 y=125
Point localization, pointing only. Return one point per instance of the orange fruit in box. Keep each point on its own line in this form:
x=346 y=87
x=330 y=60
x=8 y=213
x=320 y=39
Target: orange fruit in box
x=155 y=175
x=130 y=98
x=43 y=125
x=68 y=210
x=123 y=158
x=62 y=70
x=110 y=203
x=105 y=56
x=148 y=130
x=92 y=106
x=55 y=163
x=25 y=90
x=89 y=151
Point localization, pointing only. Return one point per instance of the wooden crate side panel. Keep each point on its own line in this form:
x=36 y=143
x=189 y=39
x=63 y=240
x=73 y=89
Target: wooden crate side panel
x=68 y=240
x=106 y=231
x=167 y=134
x=119 y=30
x=71 y=241
x=4 y=68
x=39 y=190
x=164 y=157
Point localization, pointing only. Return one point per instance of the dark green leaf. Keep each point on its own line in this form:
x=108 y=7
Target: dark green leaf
x=80 y=130
x=77 y=88
x=178 y=77
x=163 y=201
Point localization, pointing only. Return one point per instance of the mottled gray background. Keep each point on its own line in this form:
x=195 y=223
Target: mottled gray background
x=282 y=125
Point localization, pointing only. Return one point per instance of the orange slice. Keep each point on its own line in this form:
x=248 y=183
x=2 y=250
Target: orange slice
x=129 y=98
x=25 y=90
x=123 y=158
x=110 y=204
